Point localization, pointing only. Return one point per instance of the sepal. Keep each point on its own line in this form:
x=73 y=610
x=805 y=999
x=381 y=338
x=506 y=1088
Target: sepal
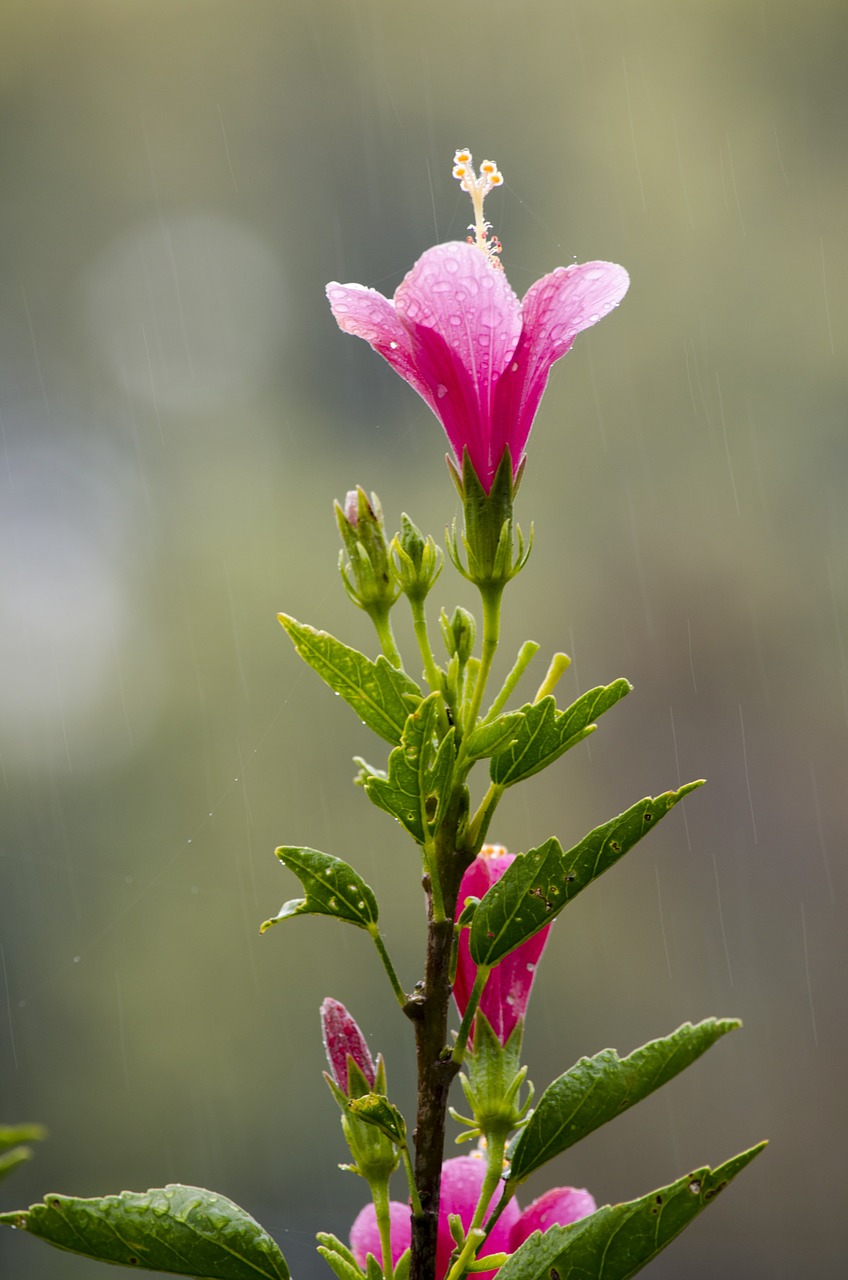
x=492 y=557
x=493 y=1080
x=416 y=560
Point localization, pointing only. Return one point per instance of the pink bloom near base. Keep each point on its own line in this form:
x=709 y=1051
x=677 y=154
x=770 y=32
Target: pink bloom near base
x=508 y=988
x=462 y=1179
x=479 y=357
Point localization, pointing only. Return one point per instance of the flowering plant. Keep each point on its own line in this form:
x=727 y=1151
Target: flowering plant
x=480 y=358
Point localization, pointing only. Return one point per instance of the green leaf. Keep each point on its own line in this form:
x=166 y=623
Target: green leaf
x=13 y=1152
x=536 y=887
x=339 y=1257
x=184 y=1230
x=496 y=736
x=332 y=889
x=417 y=787
x=379 y=694
x=545 y=733
x=598 y=1089
x=618 y=1240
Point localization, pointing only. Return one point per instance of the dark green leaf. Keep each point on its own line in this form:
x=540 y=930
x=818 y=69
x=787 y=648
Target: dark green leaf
x=332 y=889
x=598 y=1089
x=380 y=695
x=617 y=1241
x=183 y=1230
x=493 y=737
x=544 y=733
x=418 y=784
x=538 y=884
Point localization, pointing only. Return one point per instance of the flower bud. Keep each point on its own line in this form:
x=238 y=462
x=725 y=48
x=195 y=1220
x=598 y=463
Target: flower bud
x=416 y=560
x=343 y=1042
x=364 y=560
x=459 y=633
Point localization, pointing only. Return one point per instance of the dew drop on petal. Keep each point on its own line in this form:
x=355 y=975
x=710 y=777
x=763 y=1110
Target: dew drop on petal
x=441 y=391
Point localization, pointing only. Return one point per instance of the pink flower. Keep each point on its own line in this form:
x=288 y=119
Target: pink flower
x=342 y=1041
x=508 y=988
x=479 y=357
x=462 y=1179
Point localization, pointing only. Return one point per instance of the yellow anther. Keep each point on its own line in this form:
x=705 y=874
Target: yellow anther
x=478 y=189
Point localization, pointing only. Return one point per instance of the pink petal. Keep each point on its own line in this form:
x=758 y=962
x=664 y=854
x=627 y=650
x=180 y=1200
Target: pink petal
x=554 y=310
x=462 y=1180
x=464 y=322
x=365 y=1236
x=368 y=315
x=556 y=1208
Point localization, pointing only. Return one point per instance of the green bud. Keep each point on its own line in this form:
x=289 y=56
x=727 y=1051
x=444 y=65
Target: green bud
x=493 y=1082
x=364 y=563
x=416 y=560
x=489 y=527
x=459 y=633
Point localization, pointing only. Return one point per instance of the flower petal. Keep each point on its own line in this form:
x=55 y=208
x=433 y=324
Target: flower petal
x=365 y=1234
x=556 y=1208
x=462 y=1181
x=368 y=315
x=464 y=322
x=554 y=310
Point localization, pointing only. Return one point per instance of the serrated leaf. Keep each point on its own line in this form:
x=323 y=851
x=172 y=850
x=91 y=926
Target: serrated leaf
x=183 y=1230
x=544 y=733
x=491 y=738
x=619 y=1240
x=418 y=783
x=538 y=884
x=332 y=889
x=380 y=695
x=375 y=1108
x=598 y=1089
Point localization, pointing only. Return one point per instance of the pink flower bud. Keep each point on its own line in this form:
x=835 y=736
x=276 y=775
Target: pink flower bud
x=556 y=1208
x=344 y=1040
x=507 y=991
x=351 y=507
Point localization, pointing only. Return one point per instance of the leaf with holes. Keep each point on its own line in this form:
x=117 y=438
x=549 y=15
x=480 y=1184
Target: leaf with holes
x=380 y=695
x=183 y=1230
x=619 y=1240
x=598 y=1089
x=418 y=784
x=332 y=889
x=536 y=887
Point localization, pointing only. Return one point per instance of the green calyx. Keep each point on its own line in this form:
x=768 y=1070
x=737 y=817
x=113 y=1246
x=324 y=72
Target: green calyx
x=492 y=1084
x=416 y=561
x=490 y=535
x=364 y=563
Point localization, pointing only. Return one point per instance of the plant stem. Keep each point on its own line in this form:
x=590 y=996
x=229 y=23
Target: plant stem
x=402 y=997
x=458 y=1054
x=491 y=595
x=419 y=622
x=383 y=627
x=527 y=651
x=494 y=1171
x=380 y=1196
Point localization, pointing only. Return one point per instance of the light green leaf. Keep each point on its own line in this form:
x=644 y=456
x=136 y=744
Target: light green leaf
x=380 y=695
x=418 y=785
x=619 y=1240
x=375 y=1108
x=544 y=733
x=496 y=736
x=598 y=1089
x=183 y=1230
x=332 y=889
x=339 y=1257
x=536 y=887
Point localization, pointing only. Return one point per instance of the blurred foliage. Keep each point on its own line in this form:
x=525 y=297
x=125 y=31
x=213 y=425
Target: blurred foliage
x=178 y=412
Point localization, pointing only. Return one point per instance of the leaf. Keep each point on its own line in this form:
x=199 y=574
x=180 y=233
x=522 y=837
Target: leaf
x=332 y=889
x=338 y=1256
x=375 y=1108
x=184 y=1230
x=417 y=787
x=537 y=885
x=618 y=1240
x=493 y=737
x=378 y=693
x=12 y=1149
x=598 y=1089
x=545 y=733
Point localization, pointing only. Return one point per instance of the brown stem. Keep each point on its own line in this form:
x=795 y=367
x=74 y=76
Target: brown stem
x=429 y=1011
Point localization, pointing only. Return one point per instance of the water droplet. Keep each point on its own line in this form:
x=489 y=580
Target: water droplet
x=441 y=392
x=393 y=346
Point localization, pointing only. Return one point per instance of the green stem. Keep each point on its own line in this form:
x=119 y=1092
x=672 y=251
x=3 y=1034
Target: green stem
x=380 y=1195
x=419 y=622
x=480 y=822
x=459 y=1048
x=383 y=627
x=525 y=654
x=402 y=997
x=414 y=1198
x=491 y=595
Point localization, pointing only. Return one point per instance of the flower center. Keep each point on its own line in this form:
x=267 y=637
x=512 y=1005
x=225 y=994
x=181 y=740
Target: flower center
x=478 y=188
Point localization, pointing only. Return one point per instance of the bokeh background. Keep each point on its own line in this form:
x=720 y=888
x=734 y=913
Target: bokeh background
x=179 y=181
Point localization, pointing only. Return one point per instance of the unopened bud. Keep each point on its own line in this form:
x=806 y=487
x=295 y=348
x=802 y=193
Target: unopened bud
x=459 y=633
x=343 y=1040
x=416 y=560
x=364 y=560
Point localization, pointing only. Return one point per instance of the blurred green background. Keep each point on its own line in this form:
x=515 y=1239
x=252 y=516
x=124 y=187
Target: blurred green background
x=179 y=181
